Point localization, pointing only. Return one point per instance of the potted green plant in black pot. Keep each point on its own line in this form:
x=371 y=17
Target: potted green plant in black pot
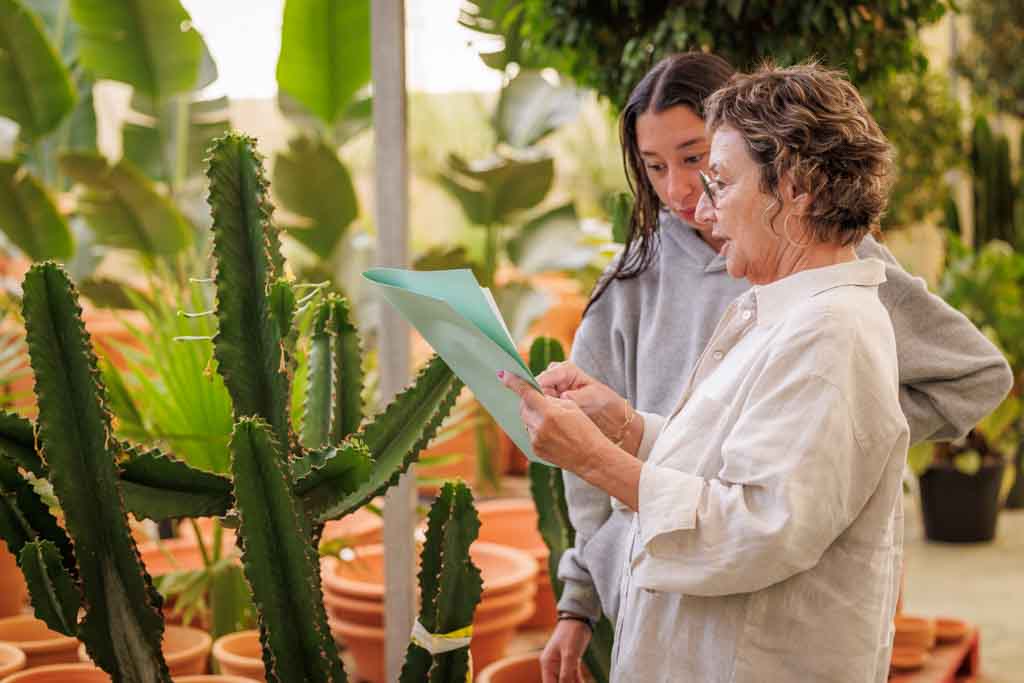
x=963 y=483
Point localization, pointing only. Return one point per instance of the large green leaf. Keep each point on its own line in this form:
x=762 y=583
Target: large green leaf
x=356 y=118
x=54 y=593
x=122 y=627
x=311 y=182
x=492 y=190
x=395 y=438
x=157 y=486
x=35 y=87
x=177 y=127
x=325 y=54
x=123 y=207
x=248 y=346
x=552 y=241
x=280 y=561
x=530 y=107
x=450 y=585
x=29 y=217
x=148 y=44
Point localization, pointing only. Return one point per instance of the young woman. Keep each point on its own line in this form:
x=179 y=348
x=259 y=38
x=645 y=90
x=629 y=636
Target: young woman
x=653 y=313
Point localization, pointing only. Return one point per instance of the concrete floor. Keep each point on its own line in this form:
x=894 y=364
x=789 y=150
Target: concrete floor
x=981 y=583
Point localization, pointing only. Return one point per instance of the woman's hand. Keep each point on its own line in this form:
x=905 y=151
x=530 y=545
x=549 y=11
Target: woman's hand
x=598 y=401
x=565 y=437
x=559 y=431
x=562 y=659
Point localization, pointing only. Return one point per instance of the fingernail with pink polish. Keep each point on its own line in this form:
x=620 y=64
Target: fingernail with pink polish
x=501 y=374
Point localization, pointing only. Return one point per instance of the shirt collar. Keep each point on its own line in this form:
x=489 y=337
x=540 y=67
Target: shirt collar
x=775 y=300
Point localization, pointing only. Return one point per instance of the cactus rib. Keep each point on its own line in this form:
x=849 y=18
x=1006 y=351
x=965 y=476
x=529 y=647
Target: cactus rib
x=248 y=345
x=395 y=437
x=280 y=563
x=157 y=486
x=122 y=627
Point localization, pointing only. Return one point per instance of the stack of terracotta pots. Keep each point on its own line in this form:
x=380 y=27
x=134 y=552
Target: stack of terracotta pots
x=513 y=522
x=354 y=598
x=916 y=636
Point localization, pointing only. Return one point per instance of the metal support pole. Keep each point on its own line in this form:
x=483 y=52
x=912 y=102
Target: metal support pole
x=392 y=213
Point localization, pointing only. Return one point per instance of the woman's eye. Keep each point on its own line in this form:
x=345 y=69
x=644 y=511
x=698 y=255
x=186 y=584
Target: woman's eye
x=696 y=159
x=655 y=168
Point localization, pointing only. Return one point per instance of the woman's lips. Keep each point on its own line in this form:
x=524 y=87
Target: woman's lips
x=688 y=215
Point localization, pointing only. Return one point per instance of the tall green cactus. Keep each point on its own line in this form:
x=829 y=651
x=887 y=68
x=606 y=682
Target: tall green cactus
x=286 y=486
x=996 y=197
x=280 y=491
x=122 y=627
x=548 y=492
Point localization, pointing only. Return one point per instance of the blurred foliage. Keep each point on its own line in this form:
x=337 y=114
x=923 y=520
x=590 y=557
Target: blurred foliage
x=922 y=120
x=610 y=44
x=993 y=59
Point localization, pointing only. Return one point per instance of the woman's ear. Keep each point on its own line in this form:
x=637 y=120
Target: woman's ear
x=797 y=197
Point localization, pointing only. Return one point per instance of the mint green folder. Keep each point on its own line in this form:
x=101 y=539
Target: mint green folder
x=459 y=320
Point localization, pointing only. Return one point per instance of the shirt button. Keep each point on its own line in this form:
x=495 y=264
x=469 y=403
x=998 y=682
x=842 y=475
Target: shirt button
x=718 y=355
x=747 y=315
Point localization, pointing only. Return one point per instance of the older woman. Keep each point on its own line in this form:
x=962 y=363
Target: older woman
x=769 y=529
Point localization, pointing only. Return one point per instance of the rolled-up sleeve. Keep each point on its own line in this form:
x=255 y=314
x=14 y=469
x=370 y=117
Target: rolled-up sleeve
x=652 y=427
x=795 y=472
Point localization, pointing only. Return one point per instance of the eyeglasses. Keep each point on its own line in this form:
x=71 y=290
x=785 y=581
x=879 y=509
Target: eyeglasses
x=706 y=182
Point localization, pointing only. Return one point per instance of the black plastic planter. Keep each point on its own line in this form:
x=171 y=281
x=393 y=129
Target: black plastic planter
x=958 y=507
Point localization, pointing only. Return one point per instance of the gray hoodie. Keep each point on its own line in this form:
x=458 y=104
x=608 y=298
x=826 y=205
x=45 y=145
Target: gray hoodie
x=643 y=337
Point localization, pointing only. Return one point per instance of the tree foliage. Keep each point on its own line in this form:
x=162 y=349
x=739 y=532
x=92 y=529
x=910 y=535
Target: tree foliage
x=609 y=45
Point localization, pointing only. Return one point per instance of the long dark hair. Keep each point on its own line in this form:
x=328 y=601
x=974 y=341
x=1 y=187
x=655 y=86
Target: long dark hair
x=685 y=79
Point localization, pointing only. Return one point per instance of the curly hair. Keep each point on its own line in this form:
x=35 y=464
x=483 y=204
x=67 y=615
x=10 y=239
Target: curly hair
x=809 y=124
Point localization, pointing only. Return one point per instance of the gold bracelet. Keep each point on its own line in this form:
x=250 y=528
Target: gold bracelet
x=629 y=420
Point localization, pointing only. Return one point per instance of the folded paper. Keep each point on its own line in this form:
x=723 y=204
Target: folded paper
x=459 y=320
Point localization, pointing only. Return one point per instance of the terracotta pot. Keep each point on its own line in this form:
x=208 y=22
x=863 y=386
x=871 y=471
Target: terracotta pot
x=503 y=569
x=362 y=527
x=371 y=612
x=11 y=659
x=240 y=654
x=907 y=658
x=914 y=632
x=60 y=673
x=513 y=522
x=186 y=650
x=180 y=554
x=213 y=678
x=13 y=590
x=366 y=643
x=40 y=645
x=524 y=668
x=949 y=630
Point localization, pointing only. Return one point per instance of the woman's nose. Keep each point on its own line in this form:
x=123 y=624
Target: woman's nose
x=705 y=212
x=679 y=189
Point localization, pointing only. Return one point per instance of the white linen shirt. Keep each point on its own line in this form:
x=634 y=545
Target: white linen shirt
x=769 y=534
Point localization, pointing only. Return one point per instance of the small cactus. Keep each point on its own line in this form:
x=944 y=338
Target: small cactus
x=548 y=492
